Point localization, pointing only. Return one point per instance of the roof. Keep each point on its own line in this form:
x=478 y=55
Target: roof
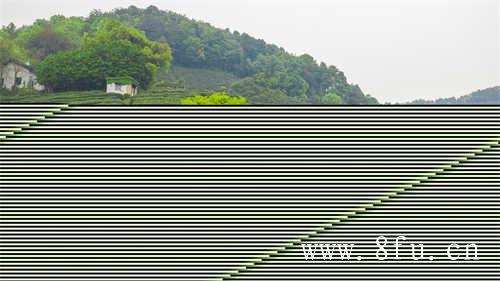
x=122 y=80
x=22 y=64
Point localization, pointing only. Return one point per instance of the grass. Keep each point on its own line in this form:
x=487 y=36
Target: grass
x=153 y=96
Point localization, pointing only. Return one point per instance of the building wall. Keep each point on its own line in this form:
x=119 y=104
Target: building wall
x=121 y=89
x=14 y=75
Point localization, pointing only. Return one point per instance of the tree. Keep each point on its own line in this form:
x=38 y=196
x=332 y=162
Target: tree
x=87 y=68
x=10 y=30
x=159 y=55
x=9 y=50
x=151 y=23
x=48 y=42
x=354 y=95
x=194 y=52
x=215 y=99
x=330 y=99
x=72 y=28
x=258 y=94
x=114 y=50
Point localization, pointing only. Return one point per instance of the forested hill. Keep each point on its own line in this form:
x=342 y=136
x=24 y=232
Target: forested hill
x=266 y=74
x=487 y=96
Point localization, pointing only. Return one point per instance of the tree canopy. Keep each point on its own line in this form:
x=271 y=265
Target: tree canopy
x=257 y=93
x=114 y=49
x=159 y=55
x=9 y=50
x=331 y=99
x=87 y=68
x=47 y=42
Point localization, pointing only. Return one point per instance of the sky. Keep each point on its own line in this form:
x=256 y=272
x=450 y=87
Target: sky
x=396 y=50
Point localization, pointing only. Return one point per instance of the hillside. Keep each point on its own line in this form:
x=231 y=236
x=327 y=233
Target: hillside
x=486 y=96
x=197 y=78
x=246 y=66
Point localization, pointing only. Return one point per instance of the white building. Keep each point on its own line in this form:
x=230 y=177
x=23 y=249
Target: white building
x=122 y=85
x=19 y=75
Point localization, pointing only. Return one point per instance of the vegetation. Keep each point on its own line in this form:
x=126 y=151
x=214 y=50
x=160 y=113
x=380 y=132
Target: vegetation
x=33 y=43
x=141 y=38
x=197 y=78
x=47 y=42
x=87 y=68
x=200 y=45
x=159 y=55
x=122 y=80
x=114 y=50
x=486 y=96
x=258 y=94
x=215 y=99
x=153 y=96
x=9 y=50
x=331 y=98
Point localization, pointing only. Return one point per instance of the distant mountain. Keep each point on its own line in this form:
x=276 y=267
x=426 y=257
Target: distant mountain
x=486 y=96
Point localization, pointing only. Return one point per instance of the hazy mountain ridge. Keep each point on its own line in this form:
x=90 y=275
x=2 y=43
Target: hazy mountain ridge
x=485 y=96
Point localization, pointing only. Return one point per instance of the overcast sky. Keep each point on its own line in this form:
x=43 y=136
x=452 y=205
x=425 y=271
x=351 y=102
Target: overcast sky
x=396 y=50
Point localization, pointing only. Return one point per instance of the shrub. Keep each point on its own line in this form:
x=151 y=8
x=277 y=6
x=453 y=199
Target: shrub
x=215 y=99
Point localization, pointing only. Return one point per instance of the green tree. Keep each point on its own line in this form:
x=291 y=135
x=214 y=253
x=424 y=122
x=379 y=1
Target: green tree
x=331 y=98
x=354 y=95
x=87 y=68
x=10 y=30
x=115 y=49
x=49 y=36
x=159 y=55
x=194 y=51
x=215 y=99
x=72 y=28
x=258 y=94
x=10 y=50
x=47 y=42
